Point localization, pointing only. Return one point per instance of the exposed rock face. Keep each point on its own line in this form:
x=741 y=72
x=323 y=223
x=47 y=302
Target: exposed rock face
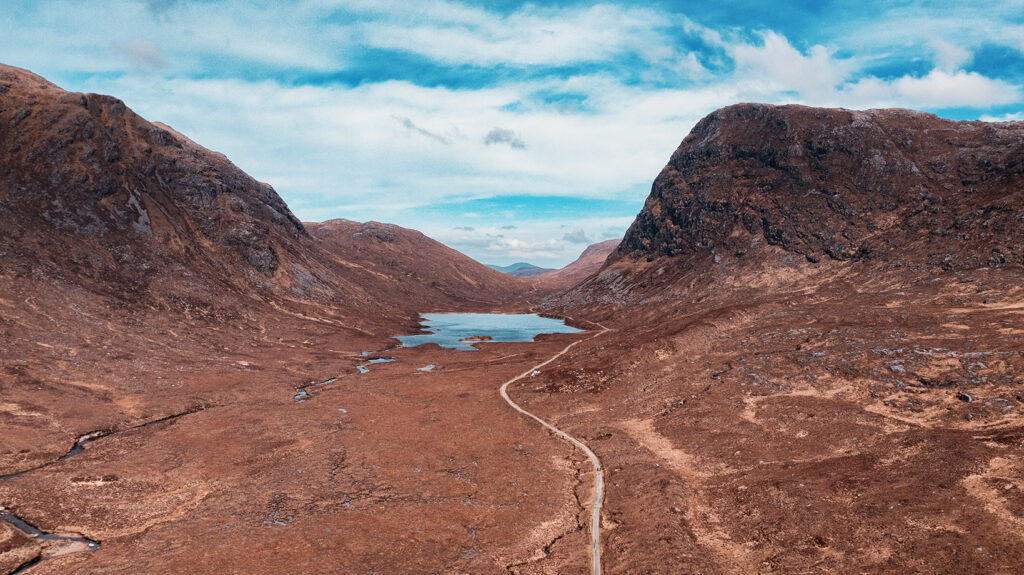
x=822 y=183
x=88 y=185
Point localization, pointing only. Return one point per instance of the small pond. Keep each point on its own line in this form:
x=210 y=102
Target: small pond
x=461 y=330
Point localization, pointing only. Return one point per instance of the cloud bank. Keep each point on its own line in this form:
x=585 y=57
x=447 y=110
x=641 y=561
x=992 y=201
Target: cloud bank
x=529 y=120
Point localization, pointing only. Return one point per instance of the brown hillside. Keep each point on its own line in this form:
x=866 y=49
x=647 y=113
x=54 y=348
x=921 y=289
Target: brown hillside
x=879 y=184
x=587 y=264
x=98 y=197
x=818 y=361
x=414 y=269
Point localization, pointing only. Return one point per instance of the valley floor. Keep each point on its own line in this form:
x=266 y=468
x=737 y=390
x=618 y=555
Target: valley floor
x=396 y=470
x=774 y=434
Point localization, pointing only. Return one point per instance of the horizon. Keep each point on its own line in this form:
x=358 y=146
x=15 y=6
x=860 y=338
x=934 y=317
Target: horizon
x=509 y=132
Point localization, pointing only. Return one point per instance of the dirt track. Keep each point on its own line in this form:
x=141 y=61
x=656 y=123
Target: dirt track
x=595 y=520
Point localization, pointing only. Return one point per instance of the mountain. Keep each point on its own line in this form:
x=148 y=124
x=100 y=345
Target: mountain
x=407 y=266
x=520 y=269
x=838 y=184
x=98 y=197
x=142 y=275
x=92 y=191
x=815 y=362
x=589 y=262
x=755 y=188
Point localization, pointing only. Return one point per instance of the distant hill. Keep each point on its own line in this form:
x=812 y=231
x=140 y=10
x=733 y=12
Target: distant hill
x=589 y=262
x=521 y=269
x=411 y=267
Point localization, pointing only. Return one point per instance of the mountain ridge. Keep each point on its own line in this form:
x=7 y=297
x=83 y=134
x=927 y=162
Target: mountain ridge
x=520 y=269
x=589 y=262
x=136 y=211
x=838 y=184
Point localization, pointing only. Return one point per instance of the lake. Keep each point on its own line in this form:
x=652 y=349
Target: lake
x=450 y=329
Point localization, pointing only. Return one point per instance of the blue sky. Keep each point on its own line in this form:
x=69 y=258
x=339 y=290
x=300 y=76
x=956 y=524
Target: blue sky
x=508 y=130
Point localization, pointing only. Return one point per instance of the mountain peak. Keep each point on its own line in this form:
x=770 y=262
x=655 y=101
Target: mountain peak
x=839 y=184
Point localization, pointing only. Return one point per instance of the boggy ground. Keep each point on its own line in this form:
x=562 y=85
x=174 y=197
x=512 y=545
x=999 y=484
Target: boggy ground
x=397 y=470
x=824 y=420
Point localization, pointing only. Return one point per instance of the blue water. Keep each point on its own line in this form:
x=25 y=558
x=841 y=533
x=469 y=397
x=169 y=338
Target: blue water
x=447 y=329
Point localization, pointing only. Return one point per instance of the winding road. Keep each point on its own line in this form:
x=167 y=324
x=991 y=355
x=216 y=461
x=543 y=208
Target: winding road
x=595 y=520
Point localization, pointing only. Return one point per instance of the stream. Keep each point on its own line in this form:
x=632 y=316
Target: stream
x=69 y=543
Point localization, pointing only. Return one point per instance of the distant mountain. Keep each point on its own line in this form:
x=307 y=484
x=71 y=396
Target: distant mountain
x=415 y=268
x=521 y=269
x=589 y=262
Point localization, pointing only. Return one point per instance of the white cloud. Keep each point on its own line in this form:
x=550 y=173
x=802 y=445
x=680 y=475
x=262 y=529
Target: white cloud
x=776 y=66
x=533 y=241
x=940 y=89
x=1014 y=117
x=531 y=35
x=577 y=236
x=504 y=136
x=776 y=71
x=409 y=125
x=949 y=57
x=337 y=143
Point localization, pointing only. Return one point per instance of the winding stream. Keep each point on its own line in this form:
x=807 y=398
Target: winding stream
x=70 y=541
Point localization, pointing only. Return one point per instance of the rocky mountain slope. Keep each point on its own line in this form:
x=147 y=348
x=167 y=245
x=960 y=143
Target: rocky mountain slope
x=846 y=185
x=817 y=364
x=98 y=197
x=90 y=190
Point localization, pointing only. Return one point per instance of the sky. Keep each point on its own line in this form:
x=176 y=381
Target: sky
x=511 y=131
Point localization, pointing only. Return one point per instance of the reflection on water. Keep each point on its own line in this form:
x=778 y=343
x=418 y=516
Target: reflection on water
x=453 y=329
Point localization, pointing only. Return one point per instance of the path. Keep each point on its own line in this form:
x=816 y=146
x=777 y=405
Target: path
x=595 y=520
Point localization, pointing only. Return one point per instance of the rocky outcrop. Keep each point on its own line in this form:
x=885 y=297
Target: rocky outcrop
x=85 y=170
x=892 y=185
